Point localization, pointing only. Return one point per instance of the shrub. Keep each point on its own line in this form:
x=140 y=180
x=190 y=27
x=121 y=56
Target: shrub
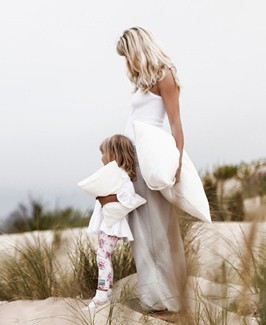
x=36 y=217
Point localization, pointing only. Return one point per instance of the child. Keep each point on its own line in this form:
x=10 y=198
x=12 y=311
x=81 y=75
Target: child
x=118 y=148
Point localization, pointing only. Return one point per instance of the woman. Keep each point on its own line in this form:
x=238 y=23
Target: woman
x=158 y=248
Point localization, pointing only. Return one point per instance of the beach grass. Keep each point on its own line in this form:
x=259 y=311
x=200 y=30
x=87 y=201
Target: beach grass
x=237 y=284
x=34 y=270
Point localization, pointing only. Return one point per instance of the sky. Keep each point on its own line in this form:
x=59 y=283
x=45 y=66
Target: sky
x=63 y=87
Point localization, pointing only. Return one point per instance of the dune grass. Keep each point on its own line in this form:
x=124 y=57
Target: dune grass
x=35 y=271
x=30 y=273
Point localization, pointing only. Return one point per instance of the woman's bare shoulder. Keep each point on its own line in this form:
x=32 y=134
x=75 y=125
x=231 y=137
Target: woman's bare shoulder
x=167 y=81
x=168 y=86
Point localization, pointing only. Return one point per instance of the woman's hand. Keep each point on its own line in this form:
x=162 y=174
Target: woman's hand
x=177 y=175
x=107 y=199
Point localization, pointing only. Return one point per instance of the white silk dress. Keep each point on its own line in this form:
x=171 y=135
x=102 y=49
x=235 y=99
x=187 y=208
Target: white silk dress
x=157 y=247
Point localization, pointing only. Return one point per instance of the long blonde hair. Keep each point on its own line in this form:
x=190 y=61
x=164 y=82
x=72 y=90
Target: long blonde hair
x=120 y=148
x=146 y=61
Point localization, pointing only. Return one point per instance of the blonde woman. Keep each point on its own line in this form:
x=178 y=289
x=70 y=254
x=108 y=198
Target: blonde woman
x=158 y=248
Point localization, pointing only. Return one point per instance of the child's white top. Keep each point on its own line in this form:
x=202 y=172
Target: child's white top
x=125 y=196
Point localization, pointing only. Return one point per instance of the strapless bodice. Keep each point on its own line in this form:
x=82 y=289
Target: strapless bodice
x=148 y=108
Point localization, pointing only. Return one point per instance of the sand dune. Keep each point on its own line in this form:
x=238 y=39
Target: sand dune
x=212 y=244
x=59 y=311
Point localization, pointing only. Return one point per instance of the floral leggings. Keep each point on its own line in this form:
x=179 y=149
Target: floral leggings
x=104 y=260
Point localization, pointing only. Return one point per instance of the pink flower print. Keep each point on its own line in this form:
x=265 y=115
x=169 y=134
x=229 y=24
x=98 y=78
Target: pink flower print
x=101 y=243
x=108 y=255
x=109 y=277
x=101 y=265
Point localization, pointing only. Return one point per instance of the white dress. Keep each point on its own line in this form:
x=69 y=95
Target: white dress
x=147 y=108
x=121 y=229
x=157 y=247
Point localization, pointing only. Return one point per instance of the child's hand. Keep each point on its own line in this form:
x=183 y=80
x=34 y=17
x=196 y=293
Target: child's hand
x=107 y=199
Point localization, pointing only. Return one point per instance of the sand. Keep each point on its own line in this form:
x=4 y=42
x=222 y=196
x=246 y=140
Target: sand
x=211 y=245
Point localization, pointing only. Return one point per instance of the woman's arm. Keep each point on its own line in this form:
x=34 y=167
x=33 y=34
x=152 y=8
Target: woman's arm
x=169 y=92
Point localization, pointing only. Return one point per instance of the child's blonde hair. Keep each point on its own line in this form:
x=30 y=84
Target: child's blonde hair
x=120 y=148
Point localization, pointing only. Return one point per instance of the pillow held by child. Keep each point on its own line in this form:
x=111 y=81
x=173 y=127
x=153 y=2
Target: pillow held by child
x=106 y=180
x=115 y=211
x=109 y=179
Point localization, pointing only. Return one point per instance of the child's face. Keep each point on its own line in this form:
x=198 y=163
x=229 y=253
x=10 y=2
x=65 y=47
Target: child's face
x=104 y=158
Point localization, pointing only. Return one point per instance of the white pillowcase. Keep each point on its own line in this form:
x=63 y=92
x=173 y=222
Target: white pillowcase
x=158 y=159
x=114 y=211
x=158 y=155
x=189 y=194
x=109 y=180
x=106 y=180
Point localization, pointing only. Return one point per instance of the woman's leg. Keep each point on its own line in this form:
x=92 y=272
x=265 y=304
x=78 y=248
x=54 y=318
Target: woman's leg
x=106 y=246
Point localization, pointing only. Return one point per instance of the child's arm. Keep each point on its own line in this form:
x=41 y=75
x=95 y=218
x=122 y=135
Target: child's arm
x=107 y=199
x=126 y=196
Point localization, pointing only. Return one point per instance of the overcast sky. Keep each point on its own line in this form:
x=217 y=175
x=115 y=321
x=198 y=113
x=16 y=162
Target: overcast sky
x=63 y=88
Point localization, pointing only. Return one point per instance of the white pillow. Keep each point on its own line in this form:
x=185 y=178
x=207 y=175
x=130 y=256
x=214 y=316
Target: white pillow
x=106 y=180
x=158 y=155
x=158 y=159
x=113 y=212
x=189 y=194
x=109 y=180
